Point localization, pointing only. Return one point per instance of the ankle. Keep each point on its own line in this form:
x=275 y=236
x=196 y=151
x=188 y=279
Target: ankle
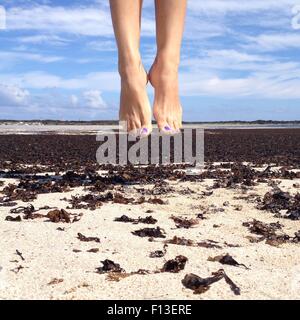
x=131 y=65
x=164 y=73
x=167 y=63
x=133 y=73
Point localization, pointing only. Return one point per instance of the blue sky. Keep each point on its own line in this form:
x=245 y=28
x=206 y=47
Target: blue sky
x=240 y=60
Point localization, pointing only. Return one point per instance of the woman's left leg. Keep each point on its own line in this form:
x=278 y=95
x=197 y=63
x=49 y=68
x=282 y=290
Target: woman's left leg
x=170 y=17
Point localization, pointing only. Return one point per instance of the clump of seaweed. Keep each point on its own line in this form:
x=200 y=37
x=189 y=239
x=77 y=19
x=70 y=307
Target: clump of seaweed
x=184 y=222
x=175 y=265
x=277 y=200
x=200 y=285
x=150 y=232
x=83 y=238
x=227 y=259
x=146 y=220
x=269 y=233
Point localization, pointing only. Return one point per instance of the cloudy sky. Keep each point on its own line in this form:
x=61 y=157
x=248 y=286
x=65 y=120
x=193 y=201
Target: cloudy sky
x=240 y=59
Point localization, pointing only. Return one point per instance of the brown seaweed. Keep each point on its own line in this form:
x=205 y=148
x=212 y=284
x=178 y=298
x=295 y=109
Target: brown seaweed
x=110 y=266
x=20 y=254
x=184 y=222
x=268 y=232
x=175 y=265
x=146 y=220
x=83 y=238
x=159 y=253
x=59 y=216
x=200 y=285
x=227 y=259
x=93 y=250
x=181 y=241
x=55 y=281
x=150 y=232
x=14 y=219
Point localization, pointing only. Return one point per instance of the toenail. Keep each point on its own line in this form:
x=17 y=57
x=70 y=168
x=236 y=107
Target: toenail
x=144 y=131
x=167 y=128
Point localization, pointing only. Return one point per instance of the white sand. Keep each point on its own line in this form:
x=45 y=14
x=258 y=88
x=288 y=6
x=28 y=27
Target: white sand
x=274 y=272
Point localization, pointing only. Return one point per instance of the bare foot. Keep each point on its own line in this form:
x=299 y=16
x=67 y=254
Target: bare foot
x=135 y=108
x=167 y=108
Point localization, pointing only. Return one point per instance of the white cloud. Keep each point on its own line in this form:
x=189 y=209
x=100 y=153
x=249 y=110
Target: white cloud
x=230 y=73
x=12 y=95
x=74 y=100
x=102 y=45
x=229 y=17
x=2 y=18
x=54 y=104
x=224 y=60
x=43 y=39
x=94 y=99
x=77 y=20
x=105 y=81
x=255 y=86
x=16 y=56
x=237 y=56
x=237 y=6
x=296 y=17
x=274 y=42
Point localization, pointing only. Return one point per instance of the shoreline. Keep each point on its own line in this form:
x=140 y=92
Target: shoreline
x=91 y=129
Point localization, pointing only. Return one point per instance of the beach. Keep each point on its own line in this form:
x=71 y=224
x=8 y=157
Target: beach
x=65 y=243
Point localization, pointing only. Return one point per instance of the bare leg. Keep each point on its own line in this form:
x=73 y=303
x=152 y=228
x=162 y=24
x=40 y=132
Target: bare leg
x=170 y=16
x=134 y=103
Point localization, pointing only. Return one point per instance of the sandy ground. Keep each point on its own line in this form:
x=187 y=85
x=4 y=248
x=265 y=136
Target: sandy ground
x=274 y=272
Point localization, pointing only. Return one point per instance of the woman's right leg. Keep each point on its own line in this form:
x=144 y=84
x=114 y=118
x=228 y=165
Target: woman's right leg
x=134 y=103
